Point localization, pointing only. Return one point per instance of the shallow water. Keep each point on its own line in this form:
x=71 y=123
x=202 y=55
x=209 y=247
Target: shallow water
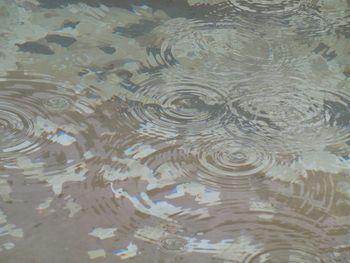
x=175 y=131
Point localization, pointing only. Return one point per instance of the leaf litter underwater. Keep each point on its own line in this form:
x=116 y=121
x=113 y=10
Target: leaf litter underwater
x=163 y=131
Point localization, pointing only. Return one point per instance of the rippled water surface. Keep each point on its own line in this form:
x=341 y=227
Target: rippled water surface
x=175 y=131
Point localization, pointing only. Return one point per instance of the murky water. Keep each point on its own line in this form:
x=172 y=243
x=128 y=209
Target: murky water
x=175 y=131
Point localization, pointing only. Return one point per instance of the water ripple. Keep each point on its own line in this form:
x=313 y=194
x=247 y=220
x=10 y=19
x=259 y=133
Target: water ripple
x=43 y=135
x=268 y=6
x=286 y=254
x=183 y=106
x=15 y=127
x=295 y=17
x=21 y=108
x=290 y=117
x=224 y=49
x=225 y=163
x=230 y=50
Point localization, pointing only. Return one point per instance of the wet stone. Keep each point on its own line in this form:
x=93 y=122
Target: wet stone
x=346 y=71
x=83 y=72
x=107 y=49
x=71 y=24
x=135 y=30
x=124 y=74
x=63 y=41
x=344 y=30
x=35 y=48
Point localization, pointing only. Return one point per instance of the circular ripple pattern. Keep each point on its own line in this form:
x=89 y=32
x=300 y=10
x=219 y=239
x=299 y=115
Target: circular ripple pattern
x=227 y=163
x=286 y=255
x=220 y=50
x=186 y=106
x=20 y=107
x=270 y=6
x=228 y=52
x=157 y=181
x=286 y=227
x=15 y=126
x=290 y=117
x=289 y=17
x=43 y=127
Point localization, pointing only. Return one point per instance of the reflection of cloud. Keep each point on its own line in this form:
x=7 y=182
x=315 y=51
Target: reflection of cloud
x=317 y=160
x=227 y=249
x=160 y=208
x=7 y=229
x=103 y=233
x=56 y=179
x=5 y=190
x=127 y=168
x=202 y=194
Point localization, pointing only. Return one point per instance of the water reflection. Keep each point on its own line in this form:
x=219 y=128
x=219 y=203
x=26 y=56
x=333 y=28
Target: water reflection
x=174 y=132
x=287 y=117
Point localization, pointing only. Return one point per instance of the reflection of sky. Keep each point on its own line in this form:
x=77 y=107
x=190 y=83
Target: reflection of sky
x=102 y=52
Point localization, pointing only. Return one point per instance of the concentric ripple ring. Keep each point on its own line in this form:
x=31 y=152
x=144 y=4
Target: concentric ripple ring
x=184 y=106
x=290 y=255
x=224 y=163
x=288 y=119
x=268 y=6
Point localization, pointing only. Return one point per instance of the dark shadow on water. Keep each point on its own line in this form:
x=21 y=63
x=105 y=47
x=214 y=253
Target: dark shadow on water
x=171 y=7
